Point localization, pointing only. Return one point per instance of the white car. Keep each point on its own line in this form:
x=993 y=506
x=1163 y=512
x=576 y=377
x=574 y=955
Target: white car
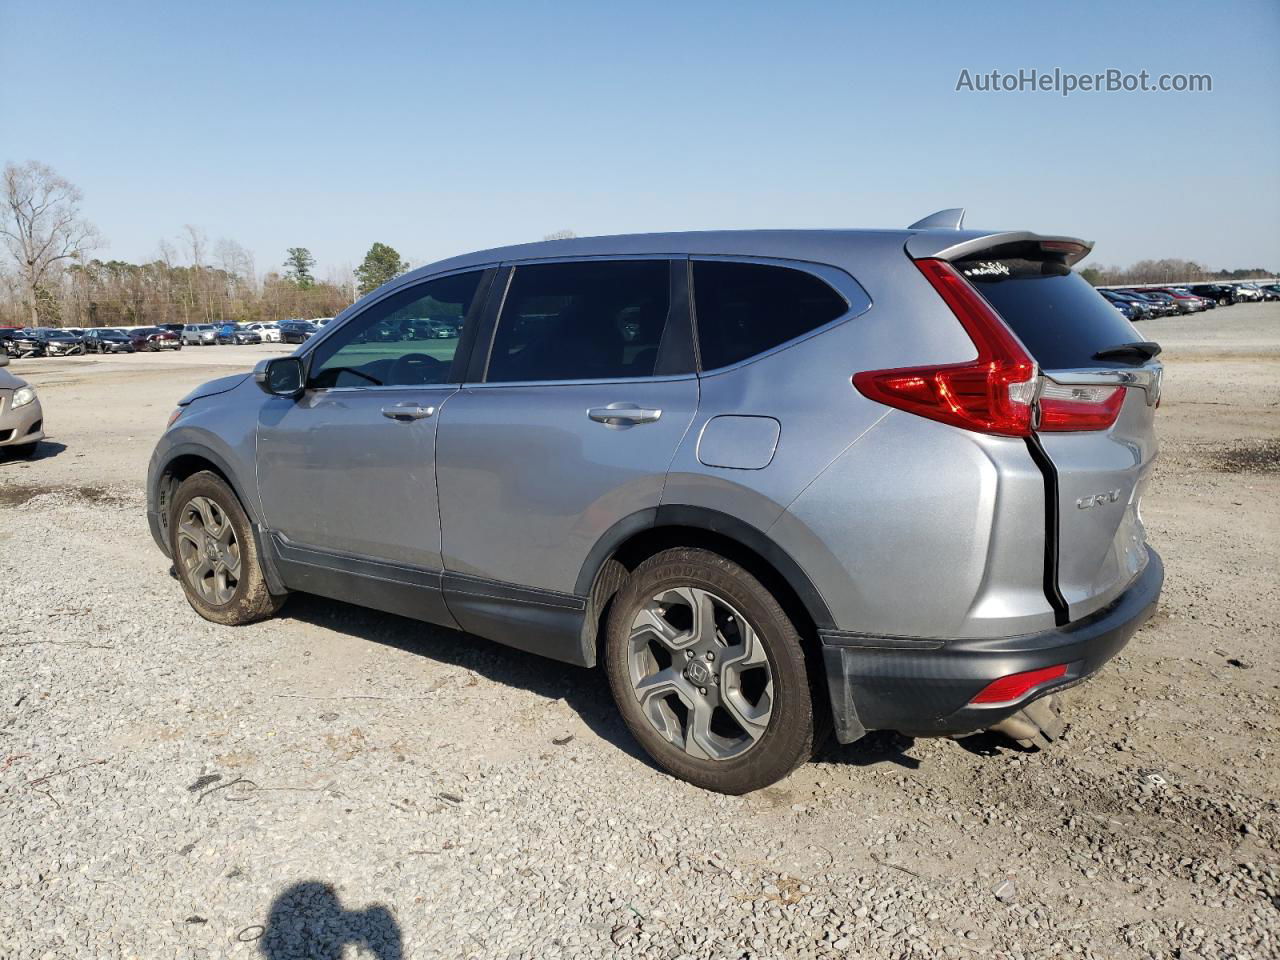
x=321 y=321
x=270 y=332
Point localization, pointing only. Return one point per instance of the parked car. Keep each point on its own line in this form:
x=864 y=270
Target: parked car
x=1139 y=309
x=734 y=519
x=172 y=327
x=425 y=329
x=297 y=331
x=21 y=418
x=6 y=337
x=234 y=333
x=58 y=343
x=270 y=332
x=200 y=334
x=25 y=342
x=1185 y=302
x=154 y=339
x=1124 y=309
x=106 y=340
x=1155 y=307
x=1249 y=292
x=1171 y=305
x=1220 y=293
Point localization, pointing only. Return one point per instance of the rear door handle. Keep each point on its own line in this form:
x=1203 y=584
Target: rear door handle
x=623 y=413
x=406 y=412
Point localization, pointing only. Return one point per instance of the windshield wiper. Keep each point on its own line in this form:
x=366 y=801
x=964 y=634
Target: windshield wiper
x=1139 y=351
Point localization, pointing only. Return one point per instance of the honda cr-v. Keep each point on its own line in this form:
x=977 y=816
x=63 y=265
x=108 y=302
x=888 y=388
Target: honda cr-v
x=772 y=481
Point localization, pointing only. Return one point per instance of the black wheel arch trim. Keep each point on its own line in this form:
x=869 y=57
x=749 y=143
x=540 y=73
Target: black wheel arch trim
x=712 y=521
x=266 y=559
x=192 y=449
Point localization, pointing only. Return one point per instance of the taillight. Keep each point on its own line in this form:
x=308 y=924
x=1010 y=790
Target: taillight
x=1014 y=686
x=1065 y=408
x=992 y=394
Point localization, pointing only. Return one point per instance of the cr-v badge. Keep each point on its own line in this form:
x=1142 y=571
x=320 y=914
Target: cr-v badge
x=1098 y=499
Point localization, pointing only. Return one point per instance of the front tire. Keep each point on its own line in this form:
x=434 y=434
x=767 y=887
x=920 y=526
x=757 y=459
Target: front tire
x=215 y=553
x=709 y=672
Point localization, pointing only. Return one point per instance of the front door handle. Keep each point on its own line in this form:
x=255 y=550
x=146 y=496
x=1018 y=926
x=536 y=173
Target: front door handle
x=406 y=412
x=616 y=413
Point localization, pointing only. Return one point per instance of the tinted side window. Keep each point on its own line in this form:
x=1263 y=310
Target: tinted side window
x=747 y=308
x=582 y=321
x=409 y=339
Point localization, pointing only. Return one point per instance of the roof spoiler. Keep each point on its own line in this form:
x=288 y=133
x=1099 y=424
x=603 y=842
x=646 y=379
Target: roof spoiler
x=950 y=219
x=971 y=243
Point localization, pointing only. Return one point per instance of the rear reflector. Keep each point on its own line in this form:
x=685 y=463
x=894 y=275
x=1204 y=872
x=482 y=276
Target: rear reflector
x=1064 y=408
x=992 y=394
x=1012 y=687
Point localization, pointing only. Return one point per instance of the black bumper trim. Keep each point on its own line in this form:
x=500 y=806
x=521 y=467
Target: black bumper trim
x=924 y=687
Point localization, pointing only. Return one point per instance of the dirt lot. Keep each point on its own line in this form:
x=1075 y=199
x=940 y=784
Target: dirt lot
x=337 y=782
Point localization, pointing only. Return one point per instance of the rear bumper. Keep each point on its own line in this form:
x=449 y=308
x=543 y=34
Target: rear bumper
x=923 y=687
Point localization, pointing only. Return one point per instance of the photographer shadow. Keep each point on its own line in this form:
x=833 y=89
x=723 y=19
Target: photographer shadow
x=308 y=920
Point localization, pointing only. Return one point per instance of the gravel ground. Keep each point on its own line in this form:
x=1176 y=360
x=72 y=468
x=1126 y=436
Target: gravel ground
x=341 y=783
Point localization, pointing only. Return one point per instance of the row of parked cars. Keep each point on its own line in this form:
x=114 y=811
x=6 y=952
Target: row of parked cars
x=75 y=341
x=1143 y=303
x=69 y=342
x=210 y=334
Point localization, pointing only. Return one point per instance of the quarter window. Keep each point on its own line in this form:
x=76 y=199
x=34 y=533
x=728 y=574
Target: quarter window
x=409 y=339
x=582 y=321
x=744 y=309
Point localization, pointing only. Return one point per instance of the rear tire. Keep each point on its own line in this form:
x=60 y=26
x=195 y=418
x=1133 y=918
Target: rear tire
x=215 y=553
x=709 y=673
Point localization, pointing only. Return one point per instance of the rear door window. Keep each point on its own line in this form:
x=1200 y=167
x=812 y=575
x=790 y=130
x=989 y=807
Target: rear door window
x=585 y=320
x=744 y=309
x=1055 y=312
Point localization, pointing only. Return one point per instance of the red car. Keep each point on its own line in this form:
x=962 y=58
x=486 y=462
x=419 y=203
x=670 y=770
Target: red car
x=153 y=339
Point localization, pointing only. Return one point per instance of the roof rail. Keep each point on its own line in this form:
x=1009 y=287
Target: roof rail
x=951 y=219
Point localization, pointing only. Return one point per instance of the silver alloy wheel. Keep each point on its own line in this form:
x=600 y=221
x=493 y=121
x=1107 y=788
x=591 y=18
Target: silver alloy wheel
x=209 y=550
x=700 y=673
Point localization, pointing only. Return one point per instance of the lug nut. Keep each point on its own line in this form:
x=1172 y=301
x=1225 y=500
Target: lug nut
x=688 y=654
x=710 y=655
x=703 y=691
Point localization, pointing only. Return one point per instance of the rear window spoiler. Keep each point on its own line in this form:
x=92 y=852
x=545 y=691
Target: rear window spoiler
x=965 y=244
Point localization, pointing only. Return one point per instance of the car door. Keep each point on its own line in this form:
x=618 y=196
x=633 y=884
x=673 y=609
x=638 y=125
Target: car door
x=565 y=429
x=346 y=472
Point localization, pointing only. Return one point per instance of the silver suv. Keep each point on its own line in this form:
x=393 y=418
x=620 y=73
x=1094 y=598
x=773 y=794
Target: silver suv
x=200 y=334
x=774 y=482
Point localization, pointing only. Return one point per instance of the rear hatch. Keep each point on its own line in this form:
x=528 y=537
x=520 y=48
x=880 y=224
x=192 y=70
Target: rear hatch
x=1094 y=435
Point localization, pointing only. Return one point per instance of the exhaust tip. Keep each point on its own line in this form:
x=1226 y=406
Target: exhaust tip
x=1037 y=724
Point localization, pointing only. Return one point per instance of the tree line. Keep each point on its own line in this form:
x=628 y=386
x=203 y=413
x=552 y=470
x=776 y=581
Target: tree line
x=52 y=278
x=1167 y=271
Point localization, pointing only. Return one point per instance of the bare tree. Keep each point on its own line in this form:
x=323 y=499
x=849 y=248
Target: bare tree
x=42 y=226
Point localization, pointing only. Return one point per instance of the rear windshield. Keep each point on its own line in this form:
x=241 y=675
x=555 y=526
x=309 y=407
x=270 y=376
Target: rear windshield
x=1057 y=314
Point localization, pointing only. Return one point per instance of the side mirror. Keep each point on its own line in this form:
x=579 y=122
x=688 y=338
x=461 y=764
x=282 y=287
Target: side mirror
x=281 y=377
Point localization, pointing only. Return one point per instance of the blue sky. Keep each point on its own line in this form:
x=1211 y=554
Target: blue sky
x=441 y=128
